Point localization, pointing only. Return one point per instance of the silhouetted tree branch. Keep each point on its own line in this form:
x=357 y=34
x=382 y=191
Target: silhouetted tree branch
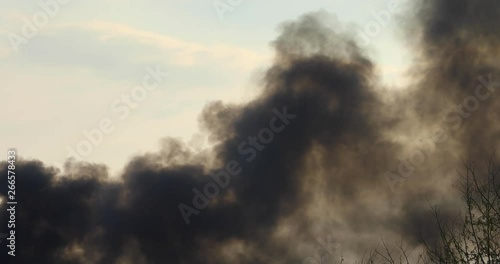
x=471 y=237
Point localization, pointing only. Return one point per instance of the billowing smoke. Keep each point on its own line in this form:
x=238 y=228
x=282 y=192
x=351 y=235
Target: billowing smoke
x=324 y=153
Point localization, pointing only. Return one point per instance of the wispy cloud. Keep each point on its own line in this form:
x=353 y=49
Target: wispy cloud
x=181 y=52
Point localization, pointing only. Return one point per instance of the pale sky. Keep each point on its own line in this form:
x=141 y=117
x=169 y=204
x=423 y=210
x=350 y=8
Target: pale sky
x=65 y=78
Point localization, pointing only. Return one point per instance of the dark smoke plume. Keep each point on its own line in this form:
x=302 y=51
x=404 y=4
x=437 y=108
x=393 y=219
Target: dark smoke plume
x=324 y=174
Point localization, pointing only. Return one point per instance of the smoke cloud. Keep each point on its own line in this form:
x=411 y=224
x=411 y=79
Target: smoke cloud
x=324 y=173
